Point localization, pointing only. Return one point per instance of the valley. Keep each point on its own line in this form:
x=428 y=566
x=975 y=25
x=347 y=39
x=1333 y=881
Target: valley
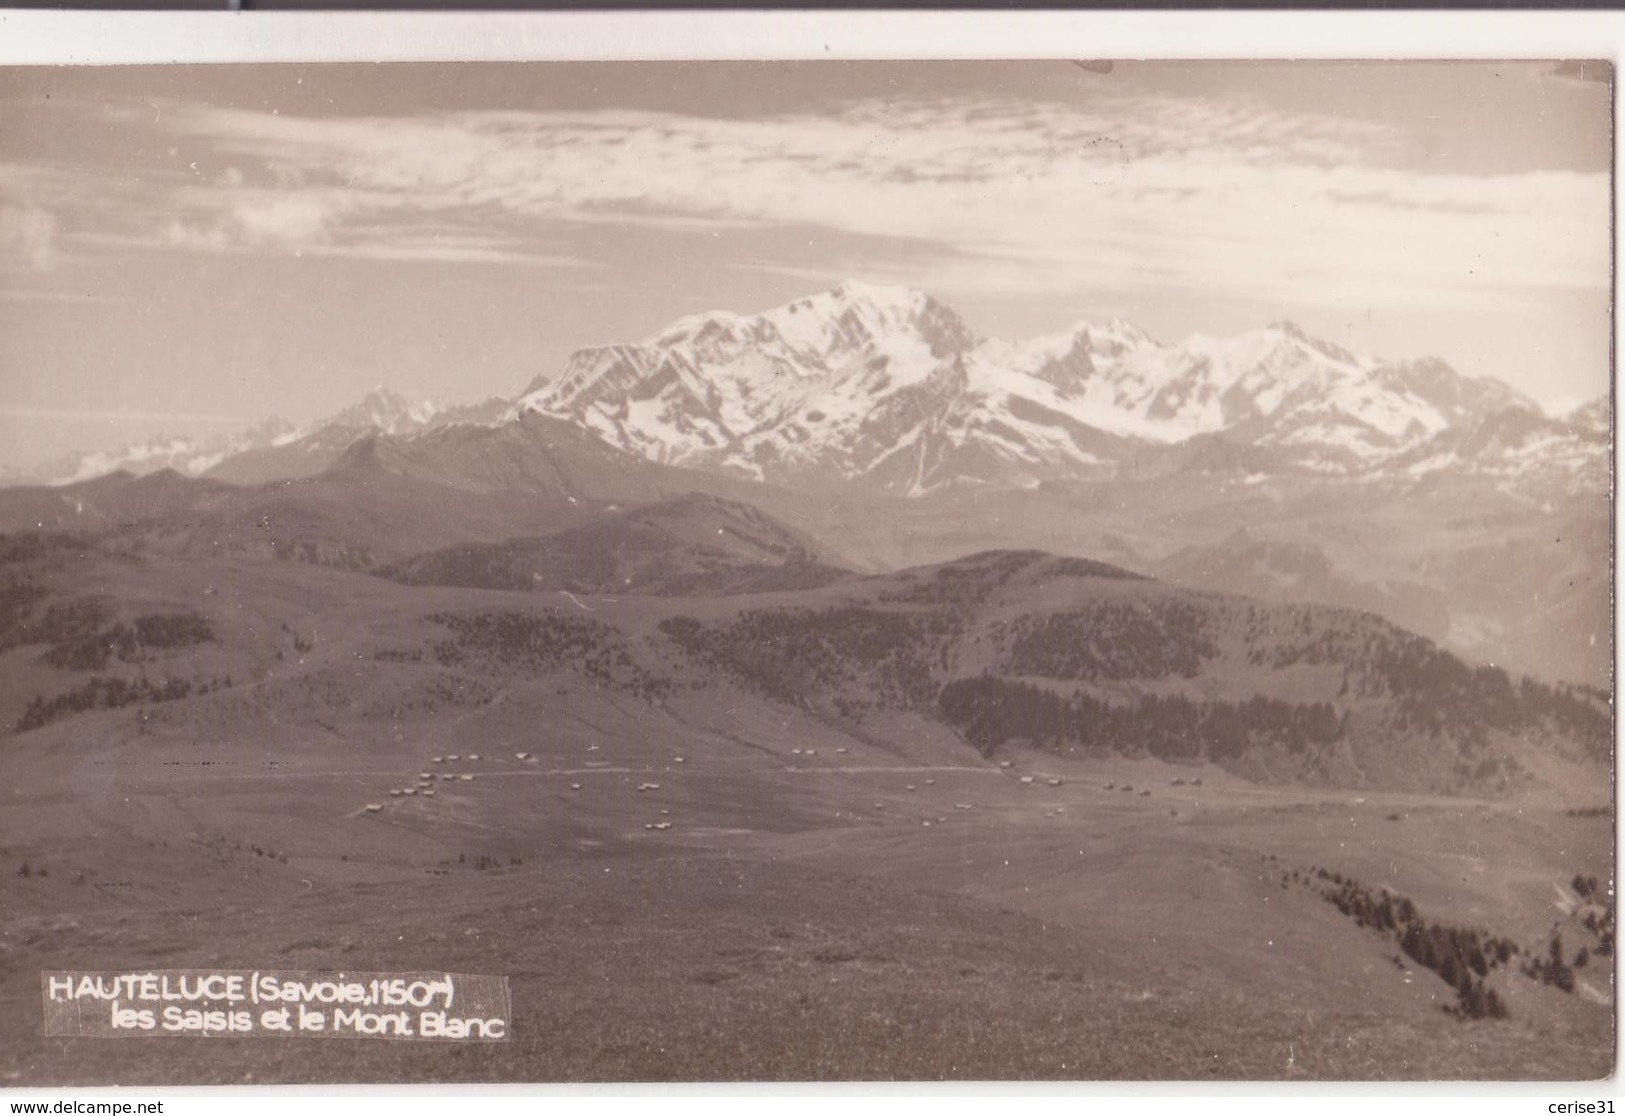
x=844 y=887
x=1048 y=565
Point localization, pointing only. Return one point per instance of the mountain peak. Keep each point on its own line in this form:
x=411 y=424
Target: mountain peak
x=1294 y=332
x=855 y=313
x=388 y=410
x=875 y=292
x=894 y=300
x=884 y=382
x=1116 y=332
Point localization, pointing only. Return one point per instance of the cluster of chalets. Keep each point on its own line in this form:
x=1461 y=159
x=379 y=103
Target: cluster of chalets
x=424 y=787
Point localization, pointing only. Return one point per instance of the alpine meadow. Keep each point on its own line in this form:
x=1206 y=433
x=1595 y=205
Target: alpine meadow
x=814 y=571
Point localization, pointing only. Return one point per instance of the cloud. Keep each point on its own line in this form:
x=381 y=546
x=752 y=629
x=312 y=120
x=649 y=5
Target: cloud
x=337 y=222
x=235 y=218
x=27 y=236
x=436 y=249
x=1129 y=191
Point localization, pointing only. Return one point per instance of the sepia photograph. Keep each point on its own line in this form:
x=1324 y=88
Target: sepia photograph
x=852 y=570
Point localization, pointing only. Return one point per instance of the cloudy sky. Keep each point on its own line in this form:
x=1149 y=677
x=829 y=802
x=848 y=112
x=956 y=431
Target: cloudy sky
x=188 y=247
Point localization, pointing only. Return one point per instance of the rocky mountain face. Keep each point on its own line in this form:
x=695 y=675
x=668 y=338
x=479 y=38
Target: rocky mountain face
x=890 y=386
x=1514 y=442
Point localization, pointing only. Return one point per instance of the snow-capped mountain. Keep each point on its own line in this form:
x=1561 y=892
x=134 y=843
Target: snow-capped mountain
x=311 y=449
x=389 y=412
x=855 y=373
x=272 y=449
x=189 y=455
x=890 y=385
x=1514 y=442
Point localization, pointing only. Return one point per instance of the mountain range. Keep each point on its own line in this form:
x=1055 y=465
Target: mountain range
x=1175 y=707
x=876 y=425
x=891 y=387
x=273 y=449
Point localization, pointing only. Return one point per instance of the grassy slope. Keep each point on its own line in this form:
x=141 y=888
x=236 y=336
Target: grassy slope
x=1076 y=628
x=798 y=920
x=693 y=545
x=1477 y=566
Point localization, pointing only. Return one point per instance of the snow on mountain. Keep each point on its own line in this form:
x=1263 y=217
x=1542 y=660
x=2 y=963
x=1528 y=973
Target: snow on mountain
x=388 y=412
x=381 y=409
x=311 y=449
x=889 y=384
x=859 y=369
x=1517 y=442
x=184 y=454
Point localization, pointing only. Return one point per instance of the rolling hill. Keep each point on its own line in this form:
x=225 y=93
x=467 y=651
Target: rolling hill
x=1078 y=657
x=1009 y=815
x=999 y=649
x=384 y=499
x=690 y=546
